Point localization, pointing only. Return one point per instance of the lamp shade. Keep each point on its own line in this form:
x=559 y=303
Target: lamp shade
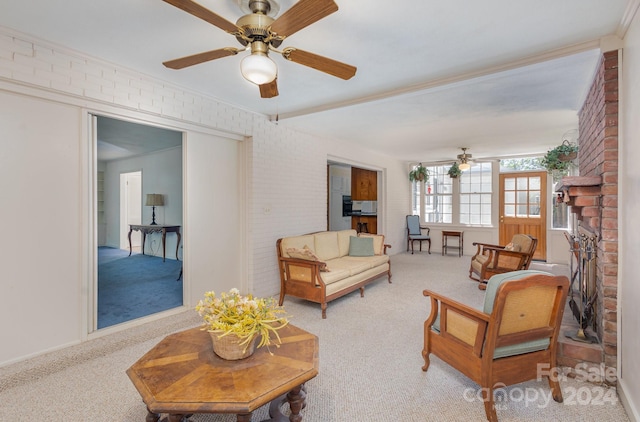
x=464 y=166
x=258 y=68
x=154 y=200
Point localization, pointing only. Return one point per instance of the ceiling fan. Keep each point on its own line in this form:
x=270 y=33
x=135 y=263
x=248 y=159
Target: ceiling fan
x=464 y=159
x=260 y=33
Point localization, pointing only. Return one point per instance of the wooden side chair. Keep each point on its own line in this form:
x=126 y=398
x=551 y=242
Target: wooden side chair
x=490 y=260
x=416 y=233
x=505 y=343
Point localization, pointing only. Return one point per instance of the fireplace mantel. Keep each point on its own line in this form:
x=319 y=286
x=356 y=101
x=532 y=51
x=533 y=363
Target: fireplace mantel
x=582 y=193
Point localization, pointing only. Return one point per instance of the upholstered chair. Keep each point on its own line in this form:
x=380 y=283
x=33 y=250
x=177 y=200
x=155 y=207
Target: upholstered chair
x=513 y=339
x=495 y=259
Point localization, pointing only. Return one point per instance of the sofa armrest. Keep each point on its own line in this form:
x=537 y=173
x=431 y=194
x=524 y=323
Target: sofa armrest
x=302 y=270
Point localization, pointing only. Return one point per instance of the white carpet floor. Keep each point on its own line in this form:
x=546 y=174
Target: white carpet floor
x=370 y=364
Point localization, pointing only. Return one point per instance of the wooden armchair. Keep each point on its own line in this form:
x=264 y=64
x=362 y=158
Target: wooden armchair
x=507 y=342
x=495 y=259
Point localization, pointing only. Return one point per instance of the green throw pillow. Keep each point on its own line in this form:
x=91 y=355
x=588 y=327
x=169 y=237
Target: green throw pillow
x=360 y=246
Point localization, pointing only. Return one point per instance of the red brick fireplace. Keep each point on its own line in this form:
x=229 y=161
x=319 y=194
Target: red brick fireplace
x=593 y=197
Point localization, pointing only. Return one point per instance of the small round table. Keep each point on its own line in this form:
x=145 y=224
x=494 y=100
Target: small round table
x=452 y=233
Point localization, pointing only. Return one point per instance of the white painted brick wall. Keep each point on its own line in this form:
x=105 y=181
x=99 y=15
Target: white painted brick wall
x=287 y=170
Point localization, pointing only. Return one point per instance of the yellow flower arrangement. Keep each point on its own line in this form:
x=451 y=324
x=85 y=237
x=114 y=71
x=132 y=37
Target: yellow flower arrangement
x=244 y=316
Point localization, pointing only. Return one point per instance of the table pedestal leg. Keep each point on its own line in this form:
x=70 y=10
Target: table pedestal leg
x=295 y=398
x=245 y=417
x=152 y=417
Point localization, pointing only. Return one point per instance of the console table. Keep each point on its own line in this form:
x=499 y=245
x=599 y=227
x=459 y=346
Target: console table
x=182 y=375
x=155 y=228
x=452 y=233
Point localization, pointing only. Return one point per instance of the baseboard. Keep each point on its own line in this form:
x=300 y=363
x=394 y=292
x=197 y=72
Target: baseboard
x=39 y=353
x=630 y=407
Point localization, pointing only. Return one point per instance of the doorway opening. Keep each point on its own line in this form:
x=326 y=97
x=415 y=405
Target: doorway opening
x=133 y=281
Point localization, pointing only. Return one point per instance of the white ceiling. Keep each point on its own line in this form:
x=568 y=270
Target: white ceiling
x=501 y=77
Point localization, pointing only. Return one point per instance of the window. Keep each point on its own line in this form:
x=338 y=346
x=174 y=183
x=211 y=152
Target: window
x=522 y=196
x=466 y=200
x=438 y=203
x=475 y=195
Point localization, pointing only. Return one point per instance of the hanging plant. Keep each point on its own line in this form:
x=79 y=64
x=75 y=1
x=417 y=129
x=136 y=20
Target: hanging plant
x=419 y=174
x=559 y=159
x=454 y=171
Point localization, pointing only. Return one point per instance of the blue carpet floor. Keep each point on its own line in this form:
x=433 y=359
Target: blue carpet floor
x=135 y=286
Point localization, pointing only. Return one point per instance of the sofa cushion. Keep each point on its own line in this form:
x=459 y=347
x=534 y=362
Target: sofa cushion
x=326 y=245
x=361 y=246
x=335 y=274
x=343 y=240
x=307 y=254
x=354 y=265
x=378 y=242
x=298 y=242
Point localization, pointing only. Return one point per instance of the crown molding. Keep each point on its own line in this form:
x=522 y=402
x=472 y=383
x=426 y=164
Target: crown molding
x=627 y=17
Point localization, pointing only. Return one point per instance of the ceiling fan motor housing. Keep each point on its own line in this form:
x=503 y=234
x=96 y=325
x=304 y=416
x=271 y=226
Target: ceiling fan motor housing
x=255 y=27
x=267 y=7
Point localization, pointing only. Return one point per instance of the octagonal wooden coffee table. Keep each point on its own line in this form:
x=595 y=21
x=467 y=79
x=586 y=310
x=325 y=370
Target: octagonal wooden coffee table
x=181 y=376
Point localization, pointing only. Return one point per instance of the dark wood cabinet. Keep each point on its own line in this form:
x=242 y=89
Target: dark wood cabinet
x=364 y=185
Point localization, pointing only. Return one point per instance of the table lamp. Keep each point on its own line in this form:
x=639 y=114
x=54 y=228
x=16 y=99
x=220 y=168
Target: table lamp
x=154 y=200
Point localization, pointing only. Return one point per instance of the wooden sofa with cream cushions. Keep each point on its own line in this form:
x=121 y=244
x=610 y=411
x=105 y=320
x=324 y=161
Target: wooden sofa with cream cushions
x=323 y=266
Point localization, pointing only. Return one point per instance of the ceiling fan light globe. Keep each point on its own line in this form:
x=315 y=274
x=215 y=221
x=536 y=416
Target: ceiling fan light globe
x=464 y=166
x=258 y=69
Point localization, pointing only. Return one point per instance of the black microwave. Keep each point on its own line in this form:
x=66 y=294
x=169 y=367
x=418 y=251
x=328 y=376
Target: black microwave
x=347 y=206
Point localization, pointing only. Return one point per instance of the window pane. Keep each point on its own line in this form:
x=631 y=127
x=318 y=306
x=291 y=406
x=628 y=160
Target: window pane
x=510 y=210
x=522 y=210
x=522 y=197
x=509 y=183
x=560 y=213
x=522 y=183
x=534 y=183
x=509 y=197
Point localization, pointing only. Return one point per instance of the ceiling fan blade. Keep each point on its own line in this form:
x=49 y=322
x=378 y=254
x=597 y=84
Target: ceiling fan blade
x=269 y=90
x=201 y=58
x=301 y=15
x=323 y=64
x=205 y=14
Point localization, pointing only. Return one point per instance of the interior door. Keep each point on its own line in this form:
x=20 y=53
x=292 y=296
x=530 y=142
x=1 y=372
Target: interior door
x=130 y=209
x=523 y=208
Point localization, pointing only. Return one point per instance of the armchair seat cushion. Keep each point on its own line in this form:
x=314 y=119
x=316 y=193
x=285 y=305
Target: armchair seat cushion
x=420 y=237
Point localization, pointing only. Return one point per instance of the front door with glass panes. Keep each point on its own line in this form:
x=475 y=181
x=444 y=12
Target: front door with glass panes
x=523 y=208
